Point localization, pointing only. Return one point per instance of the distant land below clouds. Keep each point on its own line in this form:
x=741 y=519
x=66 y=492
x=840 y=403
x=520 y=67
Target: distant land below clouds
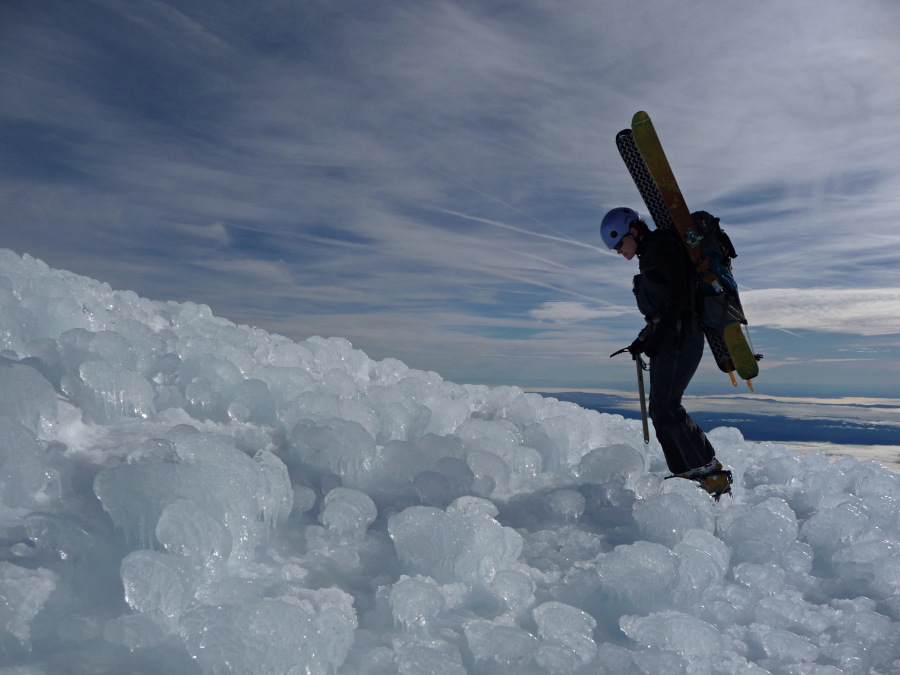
x=865 y=428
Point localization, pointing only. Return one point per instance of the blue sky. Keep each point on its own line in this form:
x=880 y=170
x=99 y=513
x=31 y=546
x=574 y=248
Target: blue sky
x=426 y=179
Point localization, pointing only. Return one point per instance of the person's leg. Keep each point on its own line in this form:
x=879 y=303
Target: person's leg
x=683 y=442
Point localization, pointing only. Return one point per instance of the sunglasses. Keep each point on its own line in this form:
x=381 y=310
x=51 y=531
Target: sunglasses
x=618 y=246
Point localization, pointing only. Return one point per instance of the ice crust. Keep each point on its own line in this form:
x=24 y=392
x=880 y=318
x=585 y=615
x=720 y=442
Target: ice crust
x=181 y=494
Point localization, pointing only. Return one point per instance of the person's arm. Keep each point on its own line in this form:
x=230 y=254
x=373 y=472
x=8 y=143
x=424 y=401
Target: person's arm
x=664 y=266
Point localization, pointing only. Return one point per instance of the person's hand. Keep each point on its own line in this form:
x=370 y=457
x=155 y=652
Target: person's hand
x=636 y=348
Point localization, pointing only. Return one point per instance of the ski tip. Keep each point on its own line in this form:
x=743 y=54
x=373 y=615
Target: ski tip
x=640 y=117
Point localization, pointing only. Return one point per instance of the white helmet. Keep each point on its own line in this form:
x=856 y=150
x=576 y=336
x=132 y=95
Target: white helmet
x=616 y=224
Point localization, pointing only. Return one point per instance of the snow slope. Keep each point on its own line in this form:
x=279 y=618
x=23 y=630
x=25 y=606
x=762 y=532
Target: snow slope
x=182 y=495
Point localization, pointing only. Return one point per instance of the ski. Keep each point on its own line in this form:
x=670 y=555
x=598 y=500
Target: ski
x=646 y=161
x=640 y=174
x=651 y=150
x=745 y=361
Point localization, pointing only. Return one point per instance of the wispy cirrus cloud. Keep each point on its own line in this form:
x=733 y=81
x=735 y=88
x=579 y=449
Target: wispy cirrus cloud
x=428 y=178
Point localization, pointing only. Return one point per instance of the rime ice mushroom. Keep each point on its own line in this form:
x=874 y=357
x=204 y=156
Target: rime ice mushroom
x=180 y=494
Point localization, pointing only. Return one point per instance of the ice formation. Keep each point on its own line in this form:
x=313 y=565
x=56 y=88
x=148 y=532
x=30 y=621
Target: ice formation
x=181 y=494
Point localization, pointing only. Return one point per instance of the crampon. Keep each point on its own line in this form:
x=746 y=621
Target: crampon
x=716 y=480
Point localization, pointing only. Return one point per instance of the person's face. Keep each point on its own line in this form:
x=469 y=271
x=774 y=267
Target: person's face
x=628 y=246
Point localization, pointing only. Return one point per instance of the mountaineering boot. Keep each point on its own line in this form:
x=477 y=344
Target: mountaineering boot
x=713 y=478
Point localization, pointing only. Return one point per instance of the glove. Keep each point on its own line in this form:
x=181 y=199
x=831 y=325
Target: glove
x=636 y=348
x=648 y=341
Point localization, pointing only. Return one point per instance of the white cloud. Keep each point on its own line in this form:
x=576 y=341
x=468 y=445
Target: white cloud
x=275 y=273
x=216 y=233
x=857 y=311
x=570 y=311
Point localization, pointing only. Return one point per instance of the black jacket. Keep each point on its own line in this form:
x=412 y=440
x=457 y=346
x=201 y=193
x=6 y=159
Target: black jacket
x=665 y=289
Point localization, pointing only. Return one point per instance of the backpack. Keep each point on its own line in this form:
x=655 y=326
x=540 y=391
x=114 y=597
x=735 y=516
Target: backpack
x=719 y=302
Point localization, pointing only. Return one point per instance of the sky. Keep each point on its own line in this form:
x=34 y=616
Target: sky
x=426 y=179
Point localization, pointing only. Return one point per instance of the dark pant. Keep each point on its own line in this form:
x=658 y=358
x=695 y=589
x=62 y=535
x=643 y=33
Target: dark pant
x=683 y=442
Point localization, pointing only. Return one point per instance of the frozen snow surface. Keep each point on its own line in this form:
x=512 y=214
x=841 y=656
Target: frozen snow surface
x=179 y=494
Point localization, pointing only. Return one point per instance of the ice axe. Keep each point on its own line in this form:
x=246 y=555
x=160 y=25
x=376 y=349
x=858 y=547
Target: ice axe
x=641 y=367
